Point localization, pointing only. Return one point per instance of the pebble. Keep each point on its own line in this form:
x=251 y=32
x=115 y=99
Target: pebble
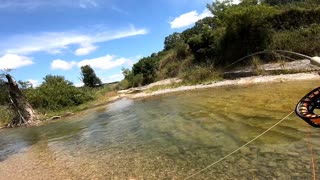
x=291 y=166
x=245 y=150
x=272 y=164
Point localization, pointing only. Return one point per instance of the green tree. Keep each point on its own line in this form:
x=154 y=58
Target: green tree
x=24 y=85
x=171 y=40
x=89 y=77
x=280 y=2
x=146 y=68
x=56 y=93
x=4 y=96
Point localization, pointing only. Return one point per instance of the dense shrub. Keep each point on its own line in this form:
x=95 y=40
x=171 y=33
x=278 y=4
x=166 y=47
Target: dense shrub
x=302 y=40
x=247 y=31
x=295 y=18
x=4 y=98
x=6 y=115
x=56 y=93
x=147 y=68
x=200 y=74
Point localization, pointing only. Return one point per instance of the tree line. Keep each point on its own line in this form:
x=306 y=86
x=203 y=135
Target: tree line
x=234 y=31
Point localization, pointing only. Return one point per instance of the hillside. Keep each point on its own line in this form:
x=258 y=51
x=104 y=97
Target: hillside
x=205 y=51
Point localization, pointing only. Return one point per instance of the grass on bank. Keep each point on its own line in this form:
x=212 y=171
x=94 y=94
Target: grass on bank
x=100 y=96
x=6 y=115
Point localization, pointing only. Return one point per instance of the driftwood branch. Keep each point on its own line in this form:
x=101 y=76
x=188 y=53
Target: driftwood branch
x=25 y=114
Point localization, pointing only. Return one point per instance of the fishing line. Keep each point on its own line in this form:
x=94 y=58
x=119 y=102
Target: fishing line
x=312 y=155
x=236 y=150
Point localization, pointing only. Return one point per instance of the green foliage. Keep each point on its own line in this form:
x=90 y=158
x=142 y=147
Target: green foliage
x=4 y=96
x=218 y=9
x=280 y=2
x=142 y=73
x=130 y=80
x=199 y=74
x=247 y=31
x=24 y=85
x=124 y=84
x=233 y=32
x=175 y=61
x=204 y=45
x=295 y=18
x=145 y=68
x=6 y=115
x=182 y=50
x=257 y=65
x=89 y=77
x=302 y=40
x=56 y=93
x=171 y=40
x=172 y=69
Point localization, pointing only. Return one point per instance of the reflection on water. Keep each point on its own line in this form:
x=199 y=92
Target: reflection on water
x=170 y=137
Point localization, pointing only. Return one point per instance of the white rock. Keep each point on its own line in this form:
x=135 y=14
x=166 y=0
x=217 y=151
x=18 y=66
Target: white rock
x=315 y=61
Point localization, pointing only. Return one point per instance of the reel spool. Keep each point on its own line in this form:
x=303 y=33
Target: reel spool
x=306 y=107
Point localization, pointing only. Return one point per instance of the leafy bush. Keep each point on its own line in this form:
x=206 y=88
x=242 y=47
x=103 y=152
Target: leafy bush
x=200 y=74
x=171 y=40
x=124 y=84
x=6 y=115
x=168 y=57
x=247 y=31
x=4 y=98
x=56 y=93
x=302 y=40
x=182 y=50
x=295 y=18
x=145 y=67
x=171 y=70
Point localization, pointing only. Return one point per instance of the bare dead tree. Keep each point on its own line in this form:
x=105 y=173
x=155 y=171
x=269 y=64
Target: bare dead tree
x=25 y=114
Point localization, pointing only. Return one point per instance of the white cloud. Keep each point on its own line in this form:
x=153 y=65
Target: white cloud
x=13 y=61
x=107 y=36
x=118 y=10
x=235 y=1
x=88 y=3
x=113 y=78
x=35 y=83
x=189 y=18
x=104 y=62
x=85 y=49
x=78 y=84
x=61 y=64
x=56 y=42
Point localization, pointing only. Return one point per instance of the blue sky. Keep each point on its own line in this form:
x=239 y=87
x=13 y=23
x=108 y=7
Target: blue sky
x=40 y=37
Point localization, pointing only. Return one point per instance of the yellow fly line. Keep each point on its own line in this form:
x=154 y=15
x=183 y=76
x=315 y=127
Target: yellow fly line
x=236 y=150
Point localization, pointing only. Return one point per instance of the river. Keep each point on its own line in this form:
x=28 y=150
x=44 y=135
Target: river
x=171 y=137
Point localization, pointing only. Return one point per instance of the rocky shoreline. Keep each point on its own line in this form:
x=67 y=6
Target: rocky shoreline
x=142 y=93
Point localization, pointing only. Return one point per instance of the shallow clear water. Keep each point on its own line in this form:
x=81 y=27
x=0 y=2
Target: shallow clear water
x=171 y=137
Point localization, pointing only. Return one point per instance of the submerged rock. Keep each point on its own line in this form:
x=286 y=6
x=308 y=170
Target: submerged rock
x=54 y=118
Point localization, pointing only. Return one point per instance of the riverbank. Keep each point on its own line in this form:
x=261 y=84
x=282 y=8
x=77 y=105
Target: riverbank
x=169 y=137
x=165 y=88
x=74 y=111
x=175 y=85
